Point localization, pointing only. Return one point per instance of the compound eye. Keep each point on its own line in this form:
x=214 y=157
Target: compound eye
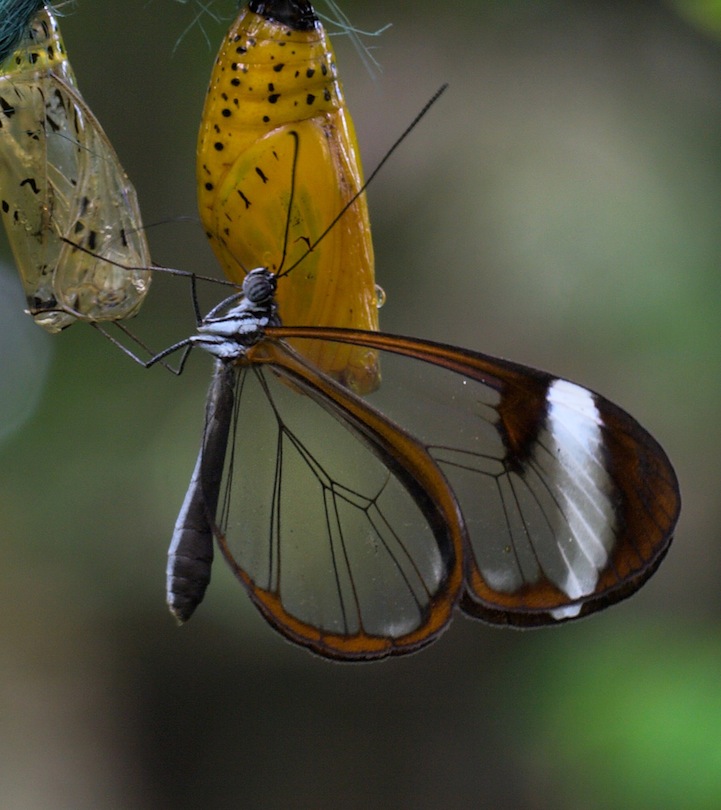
x=259 y=285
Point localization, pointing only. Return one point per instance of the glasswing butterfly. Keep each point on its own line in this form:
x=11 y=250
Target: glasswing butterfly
x=522 y=498
x=515 y=496
x=69 y=209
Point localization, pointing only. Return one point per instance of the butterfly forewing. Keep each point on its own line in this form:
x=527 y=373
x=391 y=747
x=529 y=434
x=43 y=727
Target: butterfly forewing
x=342 y=546
x=568 y=503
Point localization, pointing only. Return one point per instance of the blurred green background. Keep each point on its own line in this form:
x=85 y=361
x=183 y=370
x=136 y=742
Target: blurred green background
x=560 y=207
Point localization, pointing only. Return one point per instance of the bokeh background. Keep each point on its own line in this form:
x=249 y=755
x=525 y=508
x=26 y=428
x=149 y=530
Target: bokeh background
x=559 y=206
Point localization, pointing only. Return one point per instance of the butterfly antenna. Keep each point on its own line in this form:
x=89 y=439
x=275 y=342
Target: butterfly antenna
x=442 y=89
x=156 y=268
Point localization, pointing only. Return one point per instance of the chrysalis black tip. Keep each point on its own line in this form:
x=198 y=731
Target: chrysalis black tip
x=296 y=14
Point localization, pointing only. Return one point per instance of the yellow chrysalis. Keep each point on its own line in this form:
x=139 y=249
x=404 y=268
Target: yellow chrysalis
x=276 y=134
x=61 y=179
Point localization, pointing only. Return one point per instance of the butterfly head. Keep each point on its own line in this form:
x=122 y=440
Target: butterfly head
x=259 y=286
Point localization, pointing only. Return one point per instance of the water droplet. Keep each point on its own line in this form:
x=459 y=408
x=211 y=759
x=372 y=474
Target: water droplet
x=380 y=296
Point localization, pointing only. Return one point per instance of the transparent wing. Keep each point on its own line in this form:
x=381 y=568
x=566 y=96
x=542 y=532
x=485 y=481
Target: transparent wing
x=568 y=503
x=60 y=178
x=343 y=529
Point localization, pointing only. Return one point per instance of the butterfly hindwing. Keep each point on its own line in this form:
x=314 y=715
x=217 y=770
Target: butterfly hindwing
x=338 y=522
